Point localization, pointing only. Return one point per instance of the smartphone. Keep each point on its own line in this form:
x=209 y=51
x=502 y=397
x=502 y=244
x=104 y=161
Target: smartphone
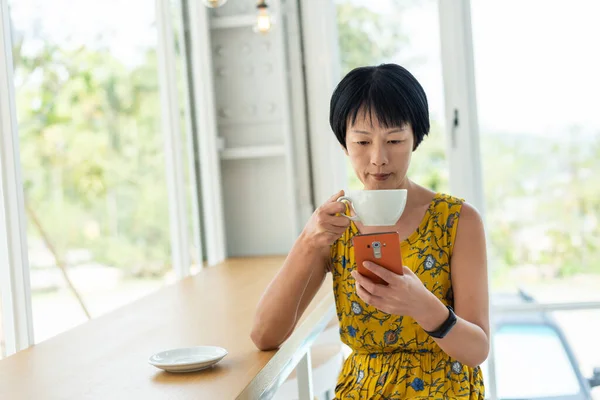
x=382 y=249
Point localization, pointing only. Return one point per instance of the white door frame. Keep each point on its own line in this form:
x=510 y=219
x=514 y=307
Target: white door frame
x=206 y=131
x=14 y=263
x=462 y=123
x=461 y=102
x=173 y=140
x=322 y=73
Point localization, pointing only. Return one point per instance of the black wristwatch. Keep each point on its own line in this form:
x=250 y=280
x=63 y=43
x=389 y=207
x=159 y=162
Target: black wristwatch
x=443 y=330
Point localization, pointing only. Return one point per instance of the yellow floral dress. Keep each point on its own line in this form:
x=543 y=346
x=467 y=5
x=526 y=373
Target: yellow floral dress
x=392 y=356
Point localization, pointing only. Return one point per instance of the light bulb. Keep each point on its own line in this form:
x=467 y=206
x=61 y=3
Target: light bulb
x=214 y=3
x=263 y=20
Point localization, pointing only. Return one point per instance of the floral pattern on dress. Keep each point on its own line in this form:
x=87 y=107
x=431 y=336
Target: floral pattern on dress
x=393 y=358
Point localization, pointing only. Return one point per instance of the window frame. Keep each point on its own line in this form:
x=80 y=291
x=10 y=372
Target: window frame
x=14 y=262
x=205 y=127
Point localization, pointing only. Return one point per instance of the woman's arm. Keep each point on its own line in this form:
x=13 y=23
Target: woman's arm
x=302 y=274
x=288 y=295
x=468 y=340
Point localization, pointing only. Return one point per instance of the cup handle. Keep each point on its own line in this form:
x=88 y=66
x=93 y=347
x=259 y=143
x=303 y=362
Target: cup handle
x=345 y=199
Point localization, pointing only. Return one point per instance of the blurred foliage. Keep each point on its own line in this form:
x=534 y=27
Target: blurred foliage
x=92 y=152
x=543 y=201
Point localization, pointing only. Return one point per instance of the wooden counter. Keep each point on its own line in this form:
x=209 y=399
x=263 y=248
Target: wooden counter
x=106 y=358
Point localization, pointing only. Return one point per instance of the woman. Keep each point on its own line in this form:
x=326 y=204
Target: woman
x=426 y=333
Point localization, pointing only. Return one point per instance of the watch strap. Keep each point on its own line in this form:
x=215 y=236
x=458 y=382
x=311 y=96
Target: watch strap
x=446 y=326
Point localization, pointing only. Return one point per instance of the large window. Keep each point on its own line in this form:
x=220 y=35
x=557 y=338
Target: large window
x=540 y=139
x=540 y=146
x=92 y=156
x=405 y=33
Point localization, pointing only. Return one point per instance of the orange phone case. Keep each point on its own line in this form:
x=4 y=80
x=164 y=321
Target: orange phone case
x=382 y=249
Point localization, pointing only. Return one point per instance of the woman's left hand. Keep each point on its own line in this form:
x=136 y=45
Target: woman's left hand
x=404 y=294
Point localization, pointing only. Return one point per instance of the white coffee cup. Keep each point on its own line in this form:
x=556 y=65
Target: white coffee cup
x=376 y=207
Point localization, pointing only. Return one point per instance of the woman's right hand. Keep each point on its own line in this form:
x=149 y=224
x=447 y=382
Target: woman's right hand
x=324 y=227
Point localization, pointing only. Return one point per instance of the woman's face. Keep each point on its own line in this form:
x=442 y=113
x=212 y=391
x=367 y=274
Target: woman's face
x=379 y=156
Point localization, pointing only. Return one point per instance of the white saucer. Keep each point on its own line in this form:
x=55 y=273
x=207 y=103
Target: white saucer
x=188 y=359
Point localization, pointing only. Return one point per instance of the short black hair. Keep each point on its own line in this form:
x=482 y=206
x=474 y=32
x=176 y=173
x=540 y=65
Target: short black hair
x=389 y=91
